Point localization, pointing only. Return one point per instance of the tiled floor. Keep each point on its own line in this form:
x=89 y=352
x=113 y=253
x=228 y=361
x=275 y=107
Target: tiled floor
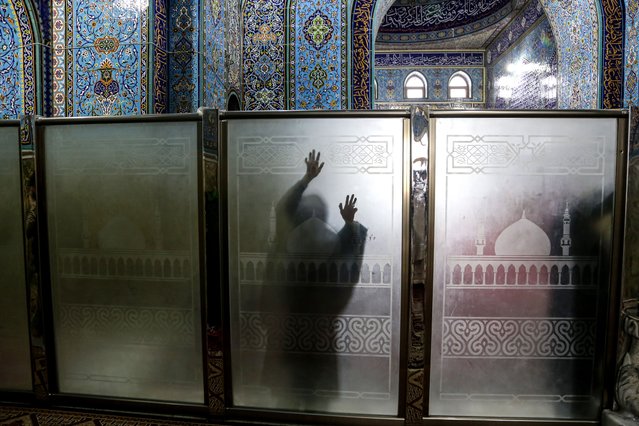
x=24 y=416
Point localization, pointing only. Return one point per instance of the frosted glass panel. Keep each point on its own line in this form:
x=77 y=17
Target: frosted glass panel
x=522 y=225
x=123 y=235
x=315 y=288
x=15 y=368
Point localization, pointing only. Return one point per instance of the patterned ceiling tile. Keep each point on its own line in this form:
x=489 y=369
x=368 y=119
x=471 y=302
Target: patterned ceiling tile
x=407 y=22
x=361 y=52
x=513 y=33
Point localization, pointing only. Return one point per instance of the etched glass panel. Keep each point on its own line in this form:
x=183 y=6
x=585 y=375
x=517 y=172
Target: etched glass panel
x=521 y=259
x=314 y=294
x=15 y=368
x=123 y=238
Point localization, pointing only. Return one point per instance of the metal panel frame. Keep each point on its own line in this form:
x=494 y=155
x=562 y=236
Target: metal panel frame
x=610 y=307
x=289 y=416
x=23 y=141
x=53 y=395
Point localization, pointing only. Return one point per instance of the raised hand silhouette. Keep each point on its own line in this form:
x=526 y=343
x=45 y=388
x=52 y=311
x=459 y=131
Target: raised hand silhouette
x=348 y=210
x=313 y=166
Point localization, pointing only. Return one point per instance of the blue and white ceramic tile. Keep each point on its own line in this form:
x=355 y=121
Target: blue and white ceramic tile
x=213 y=63
x=525 y=76
x=263 y=59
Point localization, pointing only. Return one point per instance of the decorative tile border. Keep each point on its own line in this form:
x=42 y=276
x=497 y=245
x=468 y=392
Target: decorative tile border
x=405 y=23
x=317 y=67
x=361 y=48
x=17 y=61
x=264 y=54
x=631 y=43
x=613 y=53
x=428 y=59
x=183 y=57
x=233 y=42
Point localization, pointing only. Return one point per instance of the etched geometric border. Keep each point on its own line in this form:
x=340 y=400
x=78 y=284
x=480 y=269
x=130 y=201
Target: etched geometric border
x=283 y=155
x=520 y=338
x=548 y=155
x=335 y=334
x=516 y=398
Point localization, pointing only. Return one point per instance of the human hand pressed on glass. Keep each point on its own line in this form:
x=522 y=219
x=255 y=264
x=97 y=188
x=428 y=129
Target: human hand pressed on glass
x=348 y=210
x=313 y=166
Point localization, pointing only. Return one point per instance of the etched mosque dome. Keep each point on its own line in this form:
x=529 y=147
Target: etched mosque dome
x=522 y=238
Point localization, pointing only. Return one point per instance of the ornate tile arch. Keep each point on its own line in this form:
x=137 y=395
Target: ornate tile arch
x=318 y=54
x=17 y=60
x=361 y=53
x=263 y=55
x=576 y=27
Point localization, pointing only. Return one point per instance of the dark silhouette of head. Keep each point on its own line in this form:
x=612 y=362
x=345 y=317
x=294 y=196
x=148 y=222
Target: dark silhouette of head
x=310 y=206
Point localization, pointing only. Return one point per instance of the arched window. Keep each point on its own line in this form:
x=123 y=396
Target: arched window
x=415 y=86
x=233 y=103
x=459 y=85
x=375 y=89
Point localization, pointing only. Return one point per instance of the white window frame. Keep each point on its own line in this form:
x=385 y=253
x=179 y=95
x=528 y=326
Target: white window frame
x=415 y=86
x=467 y=87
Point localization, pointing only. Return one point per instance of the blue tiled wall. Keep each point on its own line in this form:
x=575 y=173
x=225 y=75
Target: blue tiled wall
x=631 y=73
x=213 y=60
x=521 y=64
x=391 y=70
x=17 y=73
x=102 y=60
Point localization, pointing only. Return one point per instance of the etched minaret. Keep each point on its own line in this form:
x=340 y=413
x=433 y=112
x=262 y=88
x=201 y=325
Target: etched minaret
x=566 y=241
x=86 y=236
x=158 y=239
x=272 y=226
x=480 y=239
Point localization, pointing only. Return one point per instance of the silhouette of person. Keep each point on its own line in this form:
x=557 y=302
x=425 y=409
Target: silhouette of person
x=302 y=338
